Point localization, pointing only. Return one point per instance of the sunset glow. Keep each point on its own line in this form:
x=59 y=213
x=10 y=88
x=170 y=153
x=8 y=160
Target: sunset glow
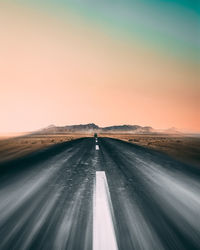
x=65 y=63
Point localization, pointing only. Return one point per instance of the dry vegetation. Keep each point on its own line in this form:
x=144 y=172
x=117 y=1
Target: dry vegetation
x=14 y=147
x=182 y=148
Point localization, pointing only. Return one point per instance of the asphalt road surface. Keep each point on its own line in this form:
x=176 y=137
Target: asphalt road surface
x=102 y=194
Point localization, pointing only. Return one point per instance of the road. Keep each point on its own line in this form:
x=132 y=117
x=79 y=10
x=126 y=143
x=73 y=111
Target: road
x=48 y=199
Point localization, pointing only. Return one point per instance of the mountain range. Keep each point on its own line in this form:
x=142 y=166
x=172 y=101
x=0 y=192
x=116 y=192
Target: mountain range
x=93 y=128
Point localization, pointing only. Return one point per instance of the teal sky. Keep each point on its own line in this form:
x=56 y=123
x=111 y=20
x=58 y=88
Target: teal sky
x=172 y=27
x=102 y=61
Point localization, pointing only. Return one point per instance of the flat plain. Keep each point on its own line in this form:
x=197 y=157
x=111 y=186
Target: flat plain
x=15 y=147
x=183 y=148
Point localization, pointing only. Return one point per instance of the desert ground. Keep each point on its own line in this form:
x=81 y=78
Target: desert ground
x=15 y=147
x=185 y=149
x=48 y=200
x=181 y=147
x=55 y=190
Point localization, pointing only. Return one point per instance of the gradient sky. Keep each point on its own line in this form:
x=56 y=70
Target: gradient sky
x=108 y=62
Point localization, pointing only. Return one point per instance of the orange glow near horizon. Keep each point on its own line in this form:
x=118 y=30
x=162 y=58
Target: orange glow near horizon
x=59 y=72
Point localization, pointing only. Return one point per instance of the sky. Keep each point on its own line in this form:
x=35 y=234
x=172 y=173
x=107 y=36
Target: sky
x=109 y=62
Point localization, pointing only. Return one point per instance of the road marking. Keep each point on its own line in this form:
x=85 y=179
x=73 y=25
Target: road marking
x=103 y=230
x=97 y=147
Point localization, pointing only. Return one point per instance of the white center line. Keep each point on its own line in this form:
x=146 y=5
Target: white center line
x=97 y=147
x=103 y=230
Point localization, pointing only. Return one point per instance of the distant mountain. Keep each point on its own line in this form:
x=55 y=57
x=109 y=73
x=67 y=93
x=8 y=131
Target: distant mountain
x=91 y=128
x=70 y=128
x=128 y=128
x=51 y=126
x=172 y=131
x=122 y=128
